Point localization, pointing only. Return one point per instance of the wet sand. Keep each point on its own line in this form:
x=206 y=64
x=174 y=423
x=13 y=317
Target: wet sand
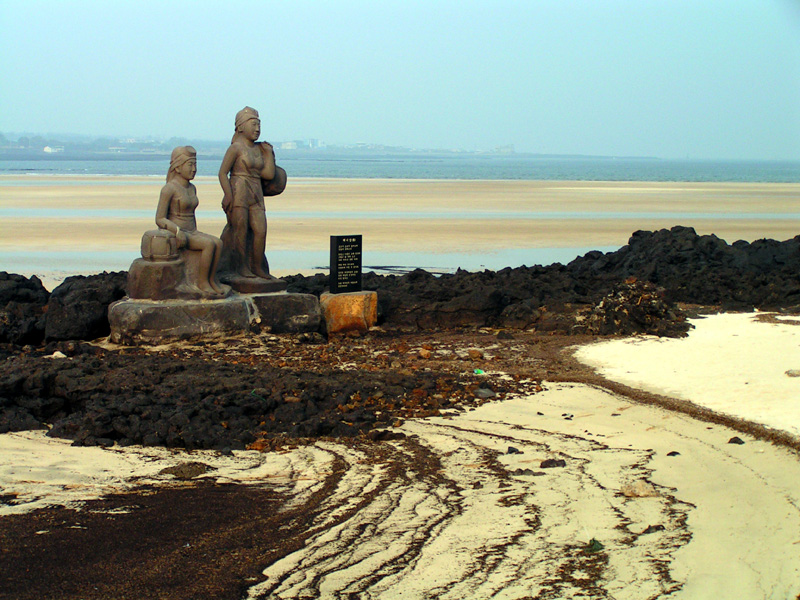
x=401 y=215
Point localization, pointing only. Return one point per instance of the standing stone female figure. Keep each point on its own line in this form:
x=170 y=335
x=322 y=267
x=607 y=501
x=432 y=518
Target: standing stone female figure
x=175 y=213
x=248 y=171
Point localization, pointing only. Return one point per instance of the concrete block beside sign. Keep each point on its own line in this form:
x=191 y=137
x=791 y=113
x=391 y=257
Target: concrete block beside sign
x=287 y=313
x=354 y=311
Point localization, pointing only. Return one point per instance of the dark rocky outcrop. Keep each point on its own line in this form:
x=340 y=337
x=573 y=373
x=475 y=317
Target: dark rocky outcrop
x=78 y=308
x=98 y=397
x=22 y=309
x=703 y=269
x=689 y=268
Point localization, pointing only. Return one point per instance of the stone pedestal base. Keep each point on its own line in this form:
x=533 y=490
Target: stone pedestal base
x=160 y=321
x=155 y=322
x=353 y=311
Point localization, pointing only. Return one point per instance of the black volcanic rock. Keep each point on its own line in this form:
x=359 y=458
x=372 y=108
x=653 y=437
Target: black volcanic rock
x=98 y=398
x=78 y=308
x=22 y=304
x=702 y=269
x=689 y=268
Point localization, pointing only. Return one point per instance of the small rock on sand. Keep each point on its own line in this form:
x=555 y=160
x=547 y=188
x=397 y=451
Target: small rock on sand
x=638 y=489
x=186 y=470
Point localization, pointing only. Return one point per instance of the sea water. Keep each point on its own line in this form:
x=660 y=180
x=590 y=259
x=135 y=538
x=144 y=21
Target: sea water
x=467 y=166
x=370 y=165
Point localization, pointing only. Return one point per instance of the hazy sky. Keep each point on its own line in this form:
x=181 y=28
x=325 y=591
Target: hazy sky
x=668 y=78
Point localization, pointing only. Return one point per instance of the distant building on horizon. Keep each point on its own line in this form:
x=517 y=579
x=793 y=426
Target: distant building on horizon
x=311 y=144
x=508 y=149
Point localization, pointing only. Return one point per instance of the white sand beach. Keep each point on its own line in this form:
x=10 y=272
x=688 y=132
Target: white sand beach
x=746 y=365
x=678 y=510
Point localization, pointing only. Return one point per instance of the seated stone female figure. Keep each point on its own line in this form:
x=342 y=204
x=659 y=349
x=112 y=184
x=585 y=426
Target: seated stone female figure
x=175 y=213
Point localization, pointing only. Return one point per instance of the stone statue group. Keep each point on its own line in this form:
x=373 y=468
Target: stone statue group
x=178 y=261
x=190 y=284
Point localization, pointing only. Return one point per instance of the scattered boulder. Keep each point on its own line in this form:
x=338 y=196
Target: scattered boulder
x=653 y=529
x=526 y=472
x=186 y=470
x=385 y=435
x=22 y=309
x=78 y=308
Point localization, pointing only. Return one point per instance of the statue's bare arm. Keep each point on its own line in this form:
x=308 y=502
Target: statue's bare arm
x=163 y=210
x=224 y=179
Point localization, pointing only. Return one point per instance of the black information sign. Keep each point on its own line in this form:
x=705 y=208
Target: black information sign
x=345 y=263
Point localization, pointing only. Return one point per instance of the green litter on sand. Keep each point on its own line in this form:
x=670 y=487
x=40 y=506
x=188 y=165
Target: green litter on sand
x=594 y=546
x=479 y=372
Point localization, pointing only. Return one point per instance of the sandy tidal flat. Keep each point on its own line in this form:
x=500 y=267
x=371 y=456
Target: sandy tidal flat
x=106 y=214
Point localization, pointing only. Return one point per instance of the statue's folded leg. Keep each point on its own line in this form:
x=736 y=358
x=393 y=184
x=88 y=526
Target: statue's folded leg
x=207 y=249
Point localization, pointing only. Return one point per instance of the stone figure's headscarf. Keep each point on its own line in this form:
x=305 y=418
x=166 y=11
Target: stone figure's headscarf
x=180 y=155
x=242 y=117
